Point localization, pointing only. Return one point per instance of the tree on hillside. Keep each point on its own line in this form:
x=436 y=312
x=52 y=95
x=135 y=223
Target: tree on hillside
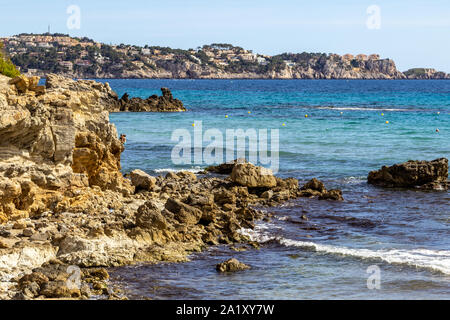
x=7 y=68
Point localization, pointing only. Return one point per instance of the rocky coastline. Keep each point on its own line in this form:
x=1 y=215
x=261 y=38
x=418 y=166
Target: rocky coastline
x=67 y=212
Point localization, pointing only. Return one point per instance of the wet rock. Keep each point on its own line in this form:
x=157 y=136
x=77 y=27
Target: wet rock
x=231 y=265
x=315 y=185
x=142 y=180
x=333 y=194
x=428 y=175
x=246 y=174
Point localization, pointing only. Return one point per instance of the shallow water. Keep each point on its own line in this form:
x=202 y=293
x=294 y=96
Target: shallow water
x=405 y=233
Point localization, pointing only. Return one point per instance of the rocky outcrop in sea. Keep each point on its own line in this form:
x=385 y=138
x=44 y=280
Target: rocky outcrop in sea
x=425 y=175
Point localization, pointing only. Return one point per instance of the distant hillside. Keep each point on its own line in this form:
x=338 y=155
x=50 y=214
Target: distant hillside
x=85 y=58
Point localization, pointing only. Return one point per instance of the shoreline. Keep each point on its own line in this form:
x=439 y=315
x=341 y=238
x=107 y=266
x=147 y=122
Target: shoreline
x=68 y=205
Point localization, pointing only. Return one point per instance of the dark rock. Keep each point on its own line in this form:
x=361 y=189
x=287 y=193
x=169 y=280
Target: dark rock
x=431 y=175
x=333 y=194
x=164 y=103
x=231 y=265
x=149 y=216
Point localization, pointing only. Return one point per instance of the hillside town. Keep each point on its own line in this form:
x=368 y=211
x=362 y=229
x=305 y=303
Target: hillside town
x=40 y=54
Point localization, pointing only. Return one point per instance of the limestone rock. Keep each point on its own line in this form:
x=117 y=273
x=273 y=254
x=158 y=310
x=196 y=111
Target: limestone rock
x=246 y=174
x=142 y=180
x=183 y=212
x=225 y=168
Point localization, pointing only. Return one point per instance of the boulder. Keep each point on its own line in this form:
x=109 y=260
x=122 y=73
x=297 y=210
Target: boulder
x=428 y=175
x=164 y=103
x=248 y=175
x=231 y=265
x=315 y=185
x=56 y=141
x=184 y=213
x=142 y=180
x=149 y=216
x=333 y=194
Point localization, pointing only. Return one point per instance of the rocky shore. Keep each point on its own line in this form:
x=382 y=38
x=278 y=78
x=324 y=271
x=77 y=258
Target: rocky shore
x=67 y=212
x=425 y=175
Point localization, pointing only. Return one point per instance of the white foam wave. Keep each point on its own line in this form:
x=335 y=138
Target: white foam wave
x=435 y=260
x=193 y=170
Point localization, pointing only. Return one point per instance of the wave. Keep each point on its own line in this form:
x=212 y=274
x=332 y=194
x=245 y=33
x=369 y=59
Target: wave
x=193 y=170
x=434 y=260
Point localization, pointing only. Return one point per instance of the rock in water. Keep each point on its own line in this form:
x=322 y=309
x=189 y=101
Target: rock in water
x=231 y=265
x=164 y=103
x=427 y=175
x=53 y=142
x=225 y=168
x=248 y=175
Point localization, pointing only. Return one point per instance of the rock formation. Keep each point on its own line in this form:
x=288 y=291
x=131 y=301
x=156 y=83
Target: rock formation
x=231 y=265
x=427 y=175
x=65 y=203
x=54 y=142
x=317 y=188
x=164 y=103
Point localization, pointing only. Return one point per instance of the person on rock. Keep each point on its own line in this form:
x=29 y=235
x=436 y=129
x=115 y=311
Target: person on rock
x=123 y=138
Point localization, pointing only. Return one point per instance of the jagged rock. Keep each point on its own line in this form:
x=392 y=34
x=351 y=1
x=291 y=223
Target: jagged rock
x=225 y=168
x=246 y=174
x=164 y=103
x=431 y=175
x=314 y=185
x=183 y=212
x=149 y=216
x=142 y=180
x=231 y=265
x=333 y=194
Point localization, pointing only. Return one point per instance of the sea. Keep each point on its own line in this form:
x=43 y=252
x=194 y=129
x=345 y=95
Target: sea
x=376 y=244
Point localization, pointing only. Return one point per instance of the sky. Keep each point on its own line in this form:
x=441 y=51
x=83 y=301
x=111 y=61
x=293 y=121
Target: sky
x=414 y=33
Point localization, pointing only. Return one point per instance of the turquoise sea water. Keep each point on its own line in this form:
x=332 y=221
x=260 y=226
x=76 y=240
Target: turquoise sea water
x=405 y=233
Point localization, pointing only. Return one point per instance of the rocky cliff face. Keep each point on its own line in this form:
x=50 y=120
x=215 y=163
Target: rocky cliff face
x=55 y=143
x=332 y=67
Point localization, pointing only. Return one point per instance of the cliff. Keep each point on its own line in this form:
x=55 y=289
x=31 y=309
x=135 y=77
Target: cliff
x=55 y=140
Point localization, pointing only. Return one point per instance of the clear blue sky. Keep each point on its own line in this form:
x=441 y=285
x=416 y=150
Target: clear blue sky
x=415 y=33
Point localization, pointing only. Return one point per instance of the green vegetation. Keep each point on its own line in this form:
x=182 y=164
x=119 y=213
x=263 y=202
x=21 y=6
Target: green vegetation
x=7 y=68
